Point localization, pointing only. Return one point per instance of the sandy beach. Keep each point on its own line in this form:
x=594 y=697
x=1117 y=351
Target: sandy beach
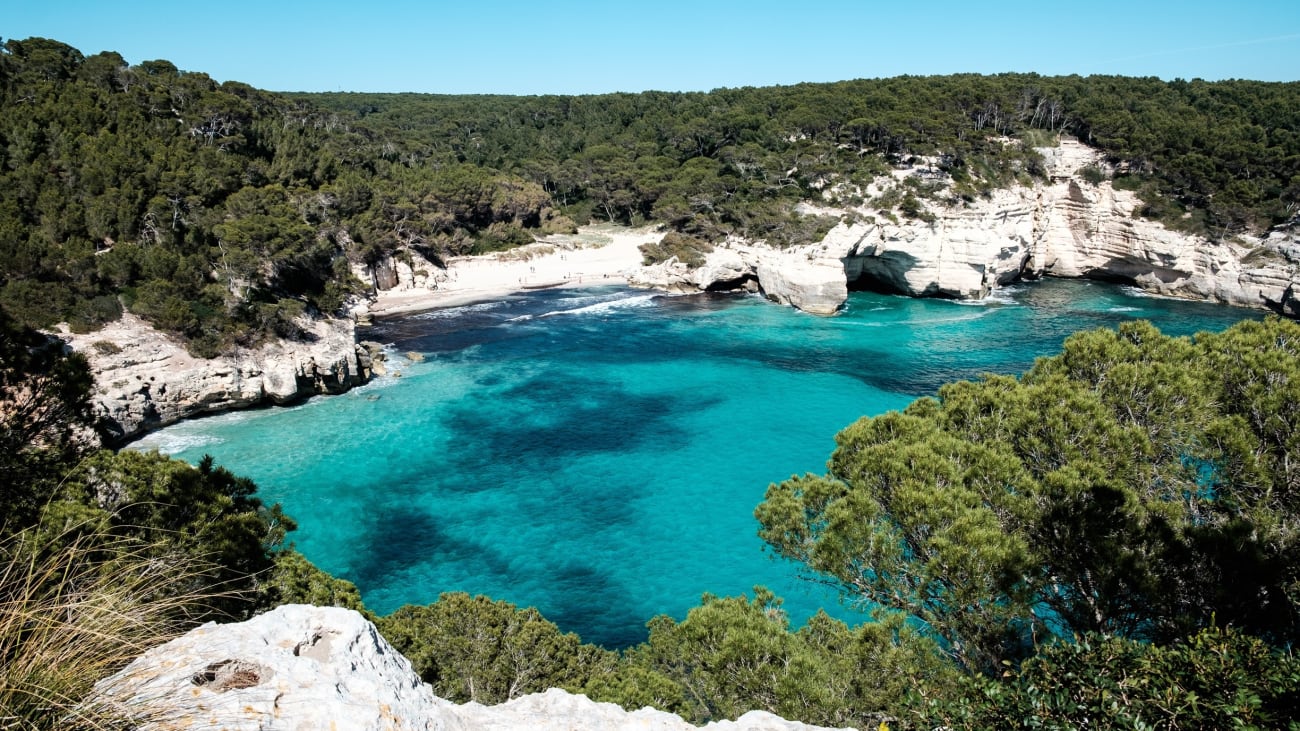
x=596 y=255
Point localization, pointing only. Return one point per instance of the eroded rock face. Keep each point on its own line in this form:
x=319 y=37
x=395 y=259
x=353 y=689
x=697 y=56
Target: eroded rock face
x=1064 y=227
x=411 y=271
x=962 y=254
x=816 y=286
x=144 y=379
x=810 y=283
x=302 y=667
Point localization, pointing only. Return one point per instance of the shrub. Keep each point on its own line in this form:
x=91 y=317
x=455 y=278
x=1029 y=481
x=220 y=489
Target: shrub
x=501 y=237
x=1218 y=678
x=1092 y=174
x=689 y=250
x=70 y=616
x=476 y=649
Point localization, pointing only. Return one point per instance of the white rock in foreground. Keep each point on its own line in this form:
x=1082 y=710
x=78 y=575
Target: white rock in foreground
x=302 y=667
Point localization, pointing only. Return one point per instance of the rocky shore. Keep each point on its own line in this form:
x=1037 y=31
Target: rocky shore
x=145 y=379
x=1064 y=227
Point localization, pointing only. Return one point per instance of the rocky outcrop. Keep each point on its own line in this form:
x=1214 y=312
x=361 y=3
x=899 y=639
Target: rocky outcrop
x=961 y=255
x=816 y=286
x=1086 y=230
x=812 y=284
x=1064 y=227
x=145 y=379
x=410 y=271
x=304 y=667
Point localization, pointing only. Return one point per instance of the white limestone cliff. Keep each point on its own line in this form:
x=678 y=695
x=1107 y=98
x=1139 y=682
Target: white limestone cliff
x=144 y=379
x=301 y=667
x=810 y=283
x=807 y=284
x=1064 y=227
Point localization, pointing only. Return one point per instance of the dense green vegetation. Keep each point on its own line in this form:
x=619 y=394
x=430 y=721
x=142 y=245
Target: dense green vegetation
x=731 y=160
x=222 y=213
x=1135 y=485
x=1109 y=540
x=1135 y=488
x=215 y=211
x=60 y=488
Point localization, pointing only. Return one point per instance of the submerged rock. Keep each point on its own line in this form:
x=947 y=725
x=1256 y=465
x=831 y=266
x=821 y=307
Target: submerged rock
x=304 y=667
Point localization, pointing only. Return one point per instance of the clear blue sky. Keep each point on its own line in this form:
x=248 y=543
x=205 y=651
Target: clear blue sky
x=578 y=47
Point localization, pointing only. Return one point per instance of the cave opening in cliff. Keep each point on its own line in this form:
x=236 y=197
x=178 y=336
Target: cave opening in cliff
x=871 y=282
x=745 y=283
x=882 y=274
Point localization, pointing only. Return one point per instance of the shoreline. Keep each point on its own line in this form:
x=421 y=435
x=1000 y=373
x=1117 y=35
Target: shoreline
x=596 y=256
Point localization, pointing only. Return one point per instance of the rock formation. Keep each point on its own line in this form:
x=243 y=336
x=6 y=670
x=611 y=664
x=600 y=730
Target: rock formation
x=145 y=380
x=1065 y=227
x=810 y=285
x=302 y=667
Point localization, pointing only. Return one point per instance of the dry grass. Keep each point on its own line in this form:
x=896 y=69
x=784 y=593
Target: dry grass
x=73 y=615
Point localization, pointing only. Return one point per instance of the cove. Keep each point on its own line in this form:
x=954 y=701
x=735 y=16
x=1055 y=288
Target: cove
x=598 y=453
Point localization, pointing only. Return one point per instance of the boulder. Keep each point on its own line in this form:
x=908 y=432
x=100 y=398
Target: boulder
x=301 y=667
x=815 y=286
x=298 y=667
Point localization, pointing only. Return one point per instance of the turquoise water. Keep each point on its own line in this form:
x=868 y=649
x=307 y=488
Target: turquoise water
x=598 y=453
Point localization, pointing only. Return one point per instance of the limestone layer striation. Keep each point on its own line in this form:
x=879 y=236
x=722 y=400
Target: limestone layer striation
x=1064 y=227
x=145 y=379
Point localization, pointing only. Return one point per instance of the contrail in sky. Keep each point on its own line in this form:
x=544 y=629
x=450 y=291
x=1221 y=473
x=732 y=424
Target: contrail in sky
x=1251 y=42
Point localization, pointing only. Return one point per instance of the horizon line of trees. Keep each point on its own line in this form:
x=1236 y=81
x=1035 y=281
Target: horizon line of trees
x=222 y=213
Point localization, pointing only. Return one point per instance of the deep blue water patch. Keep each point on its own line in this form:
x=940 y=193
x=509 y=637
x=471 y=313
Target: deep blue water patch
x=598 y=453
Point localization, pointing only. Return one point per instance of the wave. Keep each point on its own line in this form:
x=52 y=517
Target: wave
x=963 y=318
x=447 y=313
x=916 y=322
x=595 y=306
x=1000 y=296
x=174 y=440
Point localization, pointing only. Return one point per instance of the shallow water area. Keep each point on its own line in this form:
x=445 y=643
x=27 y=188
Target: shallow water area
x=598 y=453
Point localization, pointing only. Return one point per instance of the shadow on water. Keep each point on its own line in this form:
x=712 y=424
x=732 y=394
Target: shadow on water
x=395 y=543
x=587 y=596
x=392 y=540
x=548 y=420
x=562 y=449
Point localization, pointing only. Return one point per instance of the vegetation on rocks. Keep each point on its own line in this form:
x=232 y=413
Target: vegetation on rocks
x=214 y=211
x=1106 y=534
x=687 y=249
x=1107 y=540
x=222 y=213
